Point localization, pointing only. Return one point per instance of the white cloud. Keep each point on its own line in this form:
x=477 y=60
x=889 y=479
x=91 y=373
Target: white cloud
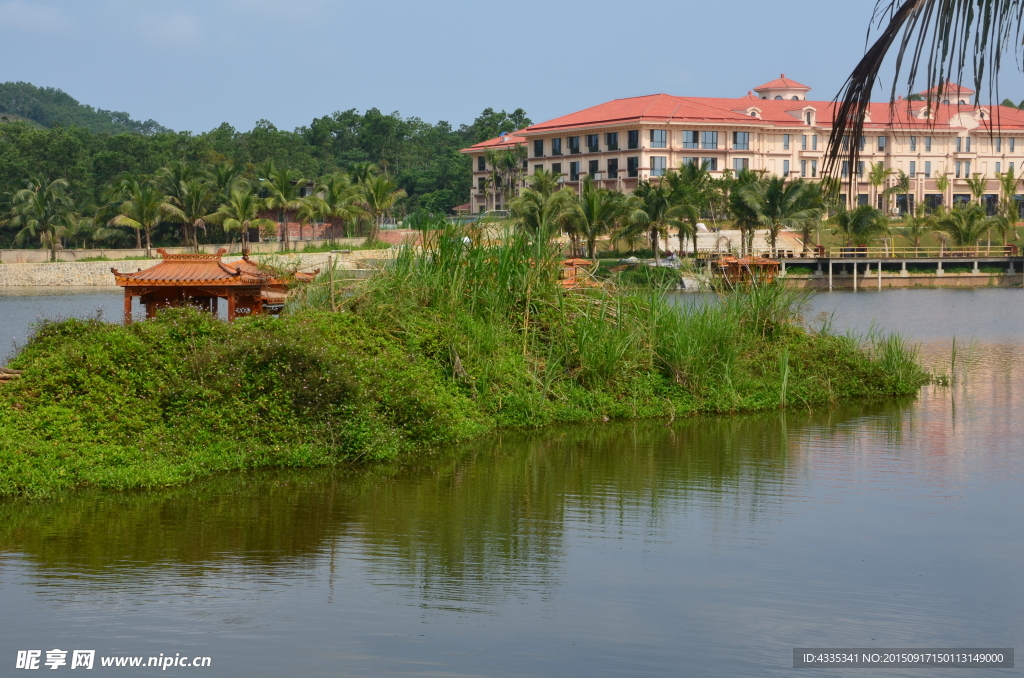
x=19 y=15
x=174 y=30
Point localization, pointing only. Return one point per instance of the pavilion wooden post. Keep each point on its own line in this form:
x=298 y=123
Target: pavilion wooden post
x=231 y=305
x=127 y=306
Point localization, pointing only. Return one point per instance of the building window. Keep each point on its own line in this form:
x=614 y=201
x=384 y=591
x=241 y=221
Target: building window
x=658 y=165
x=556 y=169
x=913 y=169
x=814 y=169
x=537 y=168
x=556 y=147
x=810 y=118
x=690 y=162
x=881 y=144
x=860 y=168
x=710 y=163
x=574 y=145
x=785 y=168
x=967 y=168
x=659 y=138
x=611 y=140
x=741 y=141
x=863 y=143
x=481 y=164
x=999 y=145
x=593 y=170
x=538 y=148
x=803 y=168
x=967 y=145
x=999 y=168
x=913 y=144
x=690 y=139
x=740 y=164
x=709 y=141
x=482 y=208
x=634 y=138
x=574 y=171
x=785 y=142
x=803 y=142
x=1011 y=166
x=593 y=143
x=846 y=168
x=480 y=183
x=927 y=169
x=1012 y=143
x=927 y=144
x=959 y=169
x=814 y=142
x=632 y=166
x=959 y=144
x=613 y=169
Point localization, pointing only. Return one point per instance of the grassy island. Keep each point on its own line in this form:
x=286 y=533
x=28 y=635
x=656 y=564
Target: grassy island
x=443 y=346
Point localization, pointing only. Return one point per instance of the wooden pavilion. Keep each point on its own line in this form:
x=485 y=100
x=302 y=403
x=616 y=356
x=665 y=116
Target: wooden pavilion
x=202 y=280
x=747 y=269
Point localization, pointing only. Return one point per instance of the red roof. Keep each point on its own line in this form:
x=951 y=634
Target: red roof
x=948 y=88
x=504 y=141
x=190 y=269
x=783 y=83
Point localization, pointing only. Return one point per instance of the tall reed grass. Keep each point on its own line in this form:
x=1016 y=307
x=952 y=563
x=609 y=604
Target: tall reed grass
x=492 y=317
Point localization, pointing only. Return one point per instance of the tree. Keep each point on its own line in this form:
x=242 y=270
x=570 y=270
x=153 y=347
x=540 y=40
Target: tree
x=144 y=207
x=340 y=201
x=779 y=204
x=191 y=206
x=42 y=210
x=507 y=165
x=544 y=181
x=964 y=224
x=878 y=176
x=745 y=218
x=284 y=194
x=1008 y=104
x=312 y=209
x=918 y=224
x=593 y=213
x=541 y=213
x=224 y=176
x=651 y=211
x=241 y=212
x=860 y=225
x=692 y=188
x=378 y=195
x=901 y=187
x=978 y=185
x=1009 y=207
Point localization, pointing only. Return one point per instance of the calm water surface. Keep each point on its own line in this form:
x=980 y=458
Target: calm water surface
x=711 y=547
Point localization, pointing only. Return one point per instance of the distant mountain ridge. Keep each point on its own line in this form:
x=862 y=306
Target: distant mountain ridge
x=47 y=106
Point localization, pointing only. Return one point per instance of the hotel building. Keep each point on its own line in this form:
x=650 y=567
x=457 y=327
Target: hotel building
x=775 y=128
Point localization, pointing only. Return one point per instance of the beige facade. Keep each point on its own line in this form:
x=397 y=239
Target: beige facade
x=777 y=131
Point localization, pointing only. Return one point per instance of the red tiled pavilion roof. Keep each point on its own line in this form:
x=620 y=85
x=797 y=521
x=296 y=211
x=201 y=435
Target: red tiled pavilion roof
x=185 y=270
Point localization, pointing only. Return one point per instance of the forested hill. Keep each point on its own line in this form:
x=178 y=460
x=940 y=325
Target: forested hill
x=48 y=106
x=422 y=157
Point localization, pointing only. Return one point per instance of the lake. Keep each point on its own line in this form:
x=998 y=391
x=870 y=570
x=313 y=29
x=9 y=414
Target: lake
x=709 y=547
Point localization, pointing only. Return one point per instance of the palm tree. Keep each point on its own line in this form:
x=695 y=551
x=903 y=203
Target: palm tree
x=942 y=185
x=780 y=204
x=860 y=225
x=539 y=213
x=312 y=209
x=191 y=205
x=241 y=212
x=507 y=164
x=744 y=217
x=42 y=210
x=878 y=176
x=919 y=224
x=594 y=213
x=361 y=172
x=544 y=181
x=651 y=211
x=341 y=201
x=978 y=184
x=224 y=177
x=284 y=194
x=692 y=194
x=901 y=187
x=964 y=224
x=143 y=208
x=378 y=195
x=1009 y=208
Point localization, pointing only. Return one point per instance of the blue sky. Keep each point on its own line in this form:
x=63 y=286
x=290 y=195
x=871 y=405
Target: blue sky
x=192 y=64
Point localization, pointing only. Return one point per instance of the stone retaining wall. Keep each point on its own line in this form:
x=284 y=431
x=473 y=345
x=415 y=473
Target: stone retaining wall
x=39 y=256
x=97 y=273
